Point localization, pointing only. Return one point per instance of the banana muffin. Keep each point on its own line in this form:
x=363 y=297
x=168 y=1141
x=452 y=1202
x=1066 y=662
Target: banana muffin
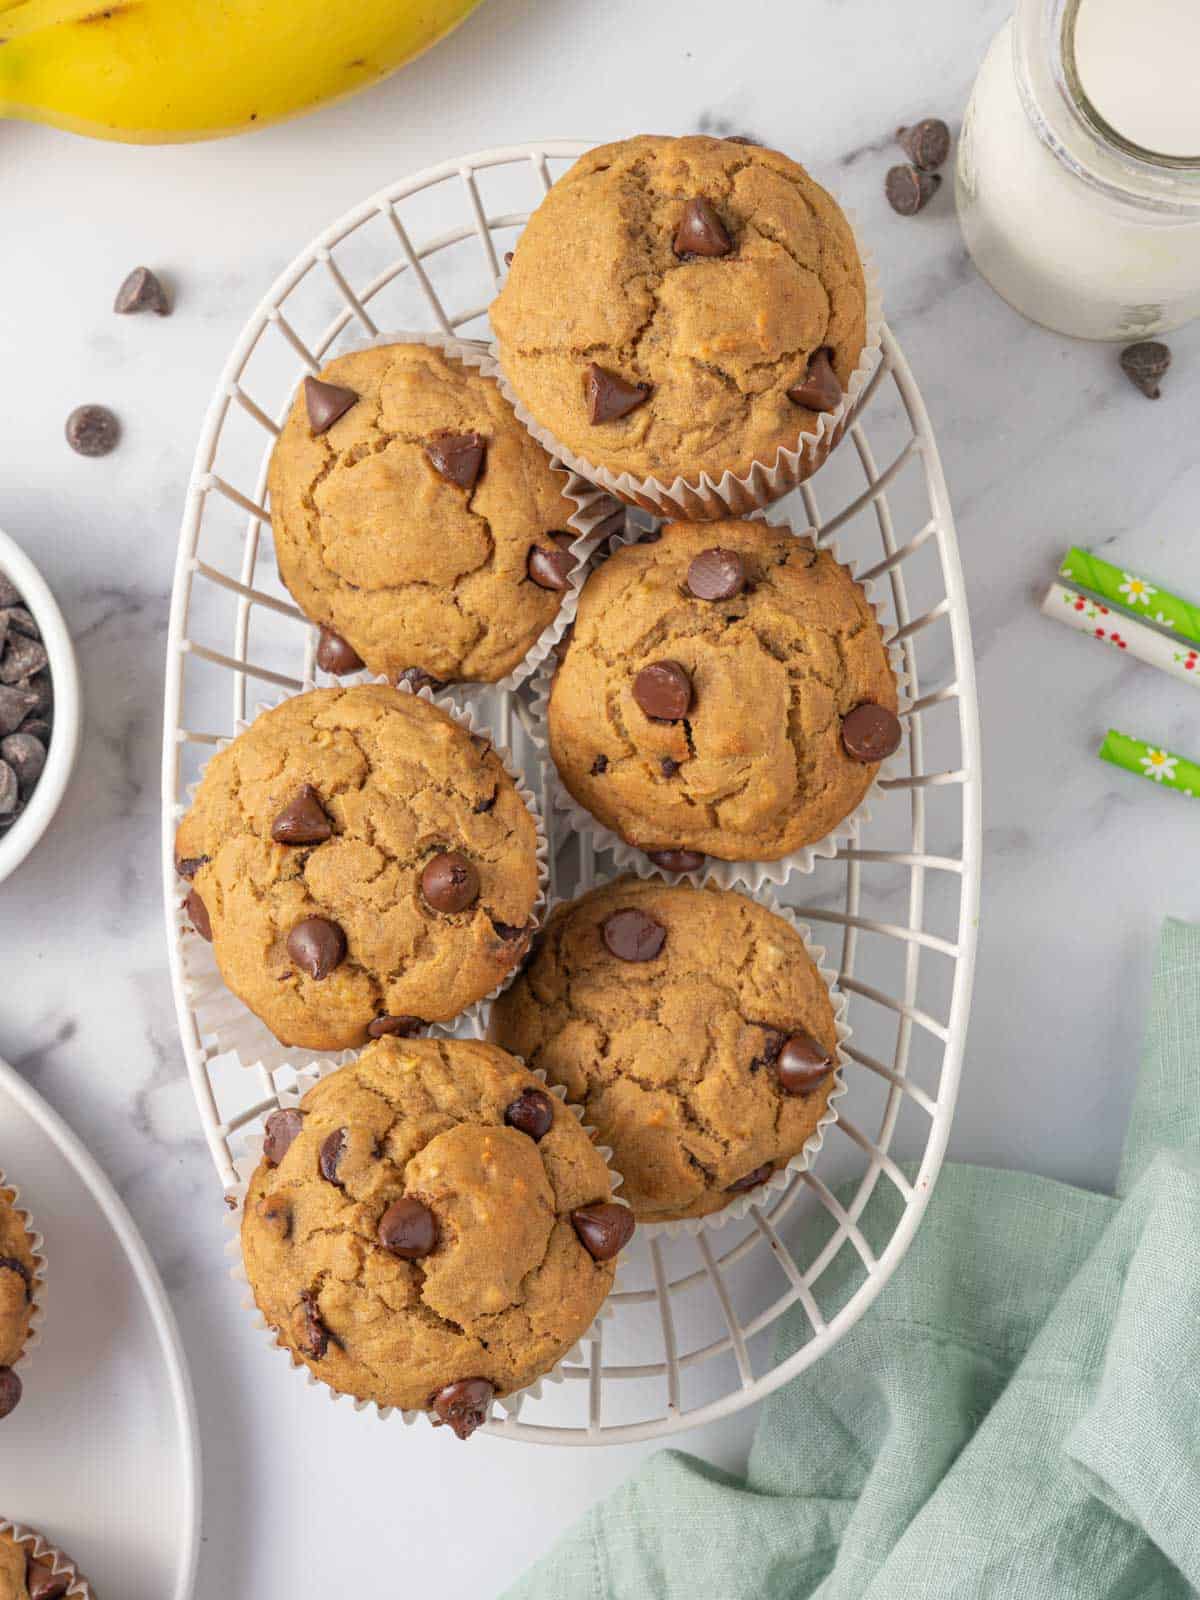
x=415 y=519
x=726 y=692
x=692 y=1027
x=362 y=865
x=679 y=306
x=18 y=1270
x=430 y=1229
x=30 y=1569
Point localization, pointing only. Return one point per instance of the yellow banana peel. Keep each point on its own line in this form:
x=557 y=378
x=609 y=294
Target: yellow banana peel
x=161 y=71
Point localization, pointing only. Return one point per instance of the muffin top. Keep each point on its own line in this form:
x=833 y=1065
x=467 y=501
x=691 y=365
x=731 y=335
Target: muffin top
x=18 y=1266
x=710 y=697
x=423 y=525
x=411 y=1228
x=24 y=1578
x=711 y=272
x=693 y=1028
x=362 y=864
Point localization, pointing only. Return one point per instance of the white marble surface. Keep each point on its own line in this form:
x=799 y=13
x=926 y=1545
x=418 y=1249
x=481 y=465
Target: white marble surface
x=1043 y=444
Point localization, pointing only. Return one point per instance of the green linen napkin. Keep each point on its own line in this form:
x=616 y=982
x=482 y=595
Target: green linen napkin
x=1016 y=1418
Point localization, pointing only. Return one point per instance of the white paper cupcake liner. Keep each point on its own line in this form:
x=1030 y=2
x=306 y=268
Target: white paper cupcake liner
x=245 y=1164
x=37 y=1244
x=751 y=875
x=589 y=522
x=706 y=499
x=233 y=1028
x=80 y=1588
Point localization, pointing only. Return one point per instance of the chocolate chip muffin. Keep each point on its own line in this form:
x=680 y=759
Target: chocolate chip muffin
x=692 y=1027
x=30 y=1569
x=682 y=306
x=362 y=865
x=430 y=1229
x=19 y=1266
x=726 y=692
x=416 y=520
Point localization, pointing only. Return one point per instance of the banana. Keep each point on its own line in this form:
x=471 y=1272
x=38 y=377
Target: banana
x=162 y=71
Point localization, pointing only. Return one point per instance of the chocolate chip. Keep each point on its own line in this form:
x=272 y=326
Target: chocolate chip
x=458 y=457
x=488 y=803
x=633 y=935
x=43 y=1583
x=21 y=620
x=408 y=1229
x=462 y=1406
x=10 y=1391
x=751 y=1180
x=313 y=1336
x=604 y=1230
x=508 y=258
x=10 y=595
x=10 y=790
x=801 y=1064
x=771 y=1046
x=532 y=1112
x=677 y=860
x=600 y=765
x=92 y=430
x=326 y=402
x=16 y=703
x=668 y=766
x=11 y=1264
x=329 y=1157
x=550 y=569
x=450 y=882
x=664 y=691
x=141 y=291
x=701 y=231
x=610 y=396
x=302 y=820
x=743 y=138
x=510 y=931
x=317 y=946
x=417 y=678
x=335 y=656
x=908 y=190
x=189 y=866
x=926 y=143
x=282 y=1129
x=22 y=658
x=37 y=728
x=870 y=733
x=276 y=1213
x=398 y=1027
x=820 y=390
x=26 y=756
x=716 y=574
x=197 y=914
x=1145 y=365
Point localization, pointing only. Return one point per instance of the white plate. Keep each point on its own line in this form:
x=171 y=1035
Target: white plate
x=102 y=1455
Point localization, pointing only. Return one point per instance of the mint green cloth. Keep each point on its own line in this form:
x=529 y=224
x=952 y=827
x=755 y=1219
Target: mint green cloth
x=1017 y=1417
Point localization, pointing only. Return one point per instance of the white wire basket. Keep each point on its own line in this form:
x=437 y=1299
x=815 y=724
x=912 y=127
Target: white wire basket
x=694 y=1335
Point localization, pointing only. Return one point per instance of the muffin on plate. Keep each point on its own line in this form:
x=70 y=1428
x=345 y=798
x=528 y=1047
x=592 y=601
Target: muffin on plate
x=726 y=692
x=691 y=1025
x=19 y=1269
x=416 y=520
x=430 y=1229
x=362 y=864
x=31 y=1569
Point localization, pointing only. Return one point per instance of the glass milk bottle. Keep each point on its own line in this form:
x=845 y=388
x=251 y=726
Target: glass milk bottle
x=1078 y=178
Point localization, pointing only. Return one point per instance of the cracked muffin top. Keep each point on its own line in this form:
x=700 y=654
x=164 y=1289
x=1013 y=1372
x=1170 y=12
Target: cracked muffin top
x=693 y=1028
x=362 y=864
x=24 y=1577
x=431 y=1228
x=416 y=519
x=726 y=691
x=18 y=1268
x=679 y=306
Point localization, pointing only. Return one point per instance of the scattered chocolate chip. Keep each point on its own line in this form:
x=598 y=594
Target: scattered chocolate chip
x=22 y=658
x=335 y=656
x=532 y=1112
x=600 y=765
x=701 y=231
x=417 y=678
x=450 y=882
x=1145 y=365
x=326 y=402
x=871 y=733
x=317 y=946
x=908 y=190
x=508 y=258
x=10 y=790
x=633 y=935
x=677 y=860
x=141 y=291
x=668 y=766
x=313 y=1336
x=92 y=430
x=801 y=1064
x=43 y=1583
x=16 y=703
x=303 y=820
x=276 y=1213
x=333 y=1147
x=751 y=1180
x=282 y=1129
x=550 y=569
x=716 y=574
x=11 y=1264
x=926 y=143
x=10 y=1391
x=664 y=691
x=604 y=1230
x=820 y=390
x=397 y=1027
x=189 y=866
x=462 y=1406
x=408 y=1229
x=610 y=396
x=197 y=913
x=458 y=457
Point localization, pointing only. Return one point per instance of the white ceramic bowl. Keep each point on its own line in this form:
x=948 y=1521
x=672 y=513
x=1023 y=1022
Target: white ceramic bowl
x=29 y=827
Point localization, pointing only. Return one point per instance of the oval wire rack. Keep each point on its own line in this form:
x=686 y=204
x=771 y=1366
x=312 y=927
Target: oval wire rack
x=696 y=1332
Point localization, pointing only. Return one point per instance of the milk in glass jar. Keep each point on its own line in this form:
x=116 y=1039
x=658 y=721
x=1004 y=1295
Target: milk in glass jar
x=1078 y=178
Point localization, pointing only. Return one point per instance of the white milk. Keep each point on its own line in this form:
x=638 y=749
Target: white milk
x=1138 y=62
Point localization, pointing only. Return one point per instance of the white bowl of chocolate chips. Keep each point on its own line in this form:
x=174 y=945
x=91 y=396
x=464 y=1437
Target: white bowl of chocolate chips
x=40 y=706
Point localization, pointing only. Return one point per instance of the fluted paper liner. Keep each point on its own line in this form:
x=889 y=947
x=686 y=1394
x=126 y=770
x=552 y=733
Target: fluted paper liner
x=40 y=1550
x=38 y=1287
x=247 y=1162
x=233 y=1028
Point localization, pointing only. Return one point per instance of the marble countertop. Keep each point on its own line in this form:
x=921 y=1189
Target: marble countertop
x=1044 y=445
